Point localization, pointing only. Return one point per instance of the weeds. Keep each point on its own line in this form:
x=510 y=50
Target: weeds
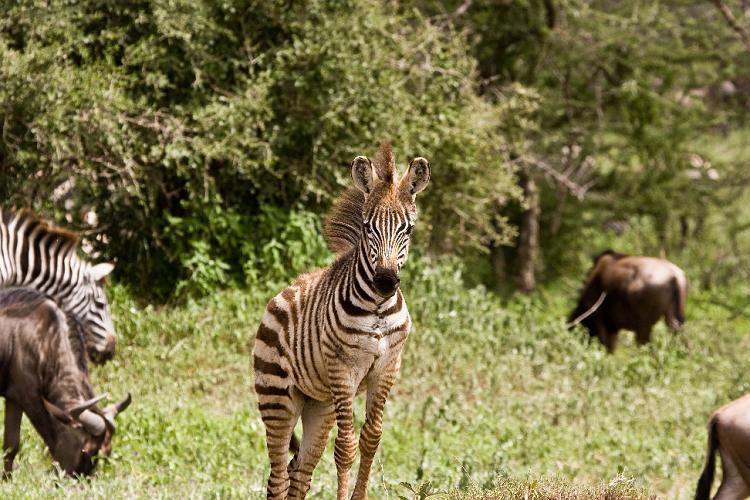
x=494 y=396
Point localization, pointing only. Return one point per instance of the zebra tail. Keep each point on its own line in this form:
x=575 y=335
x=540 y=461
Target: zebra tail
x=707 y=477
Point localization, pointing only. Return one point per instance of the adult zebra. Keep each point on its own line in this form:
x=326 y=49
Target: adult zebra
x=338 y=331
x=36 y=255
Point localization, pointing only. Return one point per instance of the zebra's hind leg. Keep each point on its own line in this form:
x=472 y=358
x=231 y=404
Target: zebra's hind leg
x=280 y=410
x=317 y=420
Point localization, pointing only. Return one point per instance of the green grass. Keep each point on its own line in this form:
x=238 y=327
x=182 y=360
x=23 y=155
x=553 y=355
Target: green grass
x=495 y=400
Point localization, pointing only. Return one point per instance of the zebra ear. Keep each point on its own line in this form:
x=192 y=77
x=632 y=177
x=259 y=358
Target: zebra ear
x=100 y=271
x=363 y=174
x=416 y=177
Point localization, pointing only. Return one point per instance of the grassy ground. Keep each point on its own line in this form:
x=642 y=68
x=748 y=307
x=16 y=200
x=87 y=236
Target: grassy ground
x=496 y=400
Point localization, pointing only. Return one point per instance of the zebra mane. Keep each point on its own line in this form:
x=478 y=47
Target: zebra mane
x=385 y=165
x=69 y=238
x=343 y=225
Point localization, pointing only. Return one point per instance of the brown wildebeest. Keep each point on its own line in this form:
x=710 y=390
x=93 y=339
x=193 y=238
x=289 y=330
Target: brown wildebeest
x=41 y=376
x=729 y=431
x=630 y=292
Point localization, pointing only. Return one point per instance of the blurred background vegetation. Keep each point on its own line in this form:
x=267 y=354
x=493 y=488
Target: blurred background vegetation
x=200 y=143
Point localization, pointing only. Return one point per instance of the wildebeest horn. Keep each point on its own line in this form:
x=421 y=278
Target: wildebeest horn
x=122 y=405
x=589 y=312
x=111 y=411
x=56 y=411
x=79 y=409
x=92 y=422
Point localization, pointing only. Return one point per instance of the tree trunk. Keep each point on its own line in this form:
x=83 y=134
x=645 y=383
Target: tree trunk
x=497 y=258
x=528 y=240
x=684 y=230
x=560 y=197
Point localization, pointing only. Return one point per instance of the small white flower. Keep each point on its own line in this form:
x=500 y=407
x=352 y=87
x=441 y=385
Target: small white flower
x=693 y=174
x=91 y=218
x=695 y=160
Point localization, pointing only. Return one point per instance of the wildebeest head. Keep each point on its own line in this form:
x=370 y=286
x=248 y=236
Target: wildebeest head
x=592 y=296
x=609 y=254
x=83 y=432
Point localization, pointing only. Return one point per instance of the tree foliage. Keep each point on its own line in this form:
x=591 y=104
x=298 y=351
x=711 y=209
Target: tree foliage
x=625 y=93
x=178 y=122
x=197 y=132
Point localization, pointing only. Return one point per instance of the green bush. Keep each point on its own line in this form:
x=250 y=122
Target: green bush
x=180 y=123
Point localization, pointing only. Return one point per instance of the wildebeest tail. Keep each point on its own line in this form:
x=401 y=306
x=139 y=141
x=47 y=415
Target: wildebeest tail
x=679 y=296
x=703 y=491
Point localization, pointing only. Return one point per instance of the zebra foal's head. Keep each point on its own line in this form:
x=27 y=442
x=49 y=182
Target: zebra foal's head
x=388 y=213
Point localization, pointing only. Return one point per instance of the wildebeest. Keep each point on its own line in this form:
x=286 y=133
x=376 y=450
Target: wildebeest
x=630 y=292
x=729 y=431
x=40 y=376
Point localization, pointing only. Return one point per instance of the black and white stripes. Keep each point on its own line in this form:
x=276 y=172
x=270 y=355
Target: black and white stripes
x=338 y=331
x=36 y=255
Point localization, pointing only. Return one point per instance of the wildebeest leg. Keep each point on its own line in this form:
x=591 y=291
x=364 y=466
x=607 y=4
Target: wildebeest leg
x=643 y=335
x=733 y=486
x=317 y=420
x=280 y=411
x=11 y=436
x=609 y=339
x=672 y=322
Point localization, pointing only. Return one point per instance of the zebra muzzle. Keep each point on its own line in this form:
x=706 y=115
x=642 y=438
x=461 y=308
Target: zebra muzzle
x=386 y=281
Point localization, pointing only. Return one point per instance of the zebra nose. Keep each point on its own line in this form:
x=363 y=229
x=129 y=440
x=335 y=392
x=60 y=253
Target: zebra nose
x=386 y=281
x=104 y=353
x=110 y=348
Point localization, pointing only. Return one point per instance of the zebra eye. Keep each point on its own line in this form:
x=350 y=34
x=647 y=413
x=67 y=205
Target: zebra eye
x=409 y=228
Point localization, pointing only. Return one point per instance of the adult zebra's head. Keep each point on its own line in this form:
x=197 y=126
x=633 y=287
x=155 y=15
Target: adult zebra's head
x=388 y=214
x=95 y=315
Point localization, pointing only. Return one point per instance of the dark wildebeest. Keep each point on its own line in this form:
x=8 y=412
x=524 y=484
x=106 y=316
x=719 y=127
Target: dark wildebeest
x=729 y=431
x=630 y=292
x=41 y=376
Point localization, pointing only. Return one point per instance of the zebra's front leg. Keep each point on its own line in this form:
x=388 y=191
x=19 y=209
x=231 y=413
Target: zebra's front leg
x=318 y=418
x=369 y=439
x=346 y=441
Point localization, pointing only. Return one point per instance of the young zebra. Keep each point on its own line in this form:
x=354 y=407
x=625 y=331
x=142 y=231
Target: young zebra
x=339 y=331
x=36 y=255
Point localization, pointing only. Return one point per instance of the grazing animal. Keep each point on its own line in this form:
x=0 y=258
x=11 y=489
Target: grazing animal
x=729 y=432
x=36 y=255
x=40 y=377
x=339 y=331
x=632 y=293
